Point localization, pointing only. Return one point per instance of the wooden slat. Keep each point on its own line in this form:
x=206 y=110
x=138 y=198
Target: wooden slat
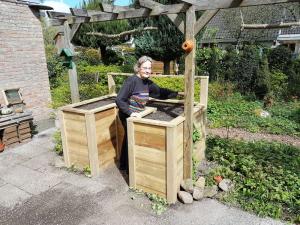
x=151 y=168
x=151 y=182
x=104 y=114
x=73 y=116
x=178 y=21
x=150 y=139
x=24 y=136
x=149 y=190
x=10 y=129
x=24 y=131
x=92 y=144
x=24 y=125
x=11 y=141
x=150 y=155
x=114 y=8
x=10 y=135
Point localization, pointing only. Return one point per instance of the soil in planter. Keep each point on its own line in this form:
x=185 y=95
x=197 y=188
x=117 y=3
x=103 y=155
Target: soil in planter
x=165 y=111
x=97 y=104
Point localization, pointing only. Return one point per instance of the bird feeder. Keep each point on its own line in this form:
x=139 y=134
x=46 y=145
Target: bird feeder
x=68 y=57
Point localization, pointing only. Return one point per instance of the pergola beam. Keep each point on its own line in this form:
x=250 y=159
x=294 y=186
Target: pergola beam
x=114 y=8
x=204 y=19
x=225 y=4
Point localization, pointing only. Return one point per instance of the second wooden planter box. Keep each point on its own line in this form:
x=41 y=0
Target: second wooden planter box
x=155 y=145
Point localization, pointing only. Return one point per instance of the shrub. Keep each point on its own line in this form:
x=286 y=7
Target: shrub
x=280 y=58
x=89 y=55
x=266 y=175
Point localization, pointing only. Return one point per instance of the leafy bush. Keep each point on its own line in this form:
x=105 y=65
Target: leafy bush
x=266 y=176
x=280 y=58
x=112 y=57
x=58 y=148
x=277 y=84
x=89 y=55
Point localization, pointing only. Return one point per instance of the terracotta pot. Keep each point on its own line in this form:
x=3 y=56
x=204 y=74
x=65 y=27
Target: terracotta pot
x=2 y=146
x=218 y=179
x=188 y=46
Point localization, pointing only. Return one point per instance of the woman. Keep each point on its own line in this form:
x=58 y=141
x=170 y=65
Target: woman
x=133 y=97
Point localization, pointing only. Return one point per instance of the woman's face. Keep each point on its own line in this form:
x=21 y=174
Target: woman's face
x=145 y=70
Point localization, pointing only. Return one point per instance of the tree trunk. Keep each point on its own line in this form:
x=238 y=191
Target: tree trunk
x=103 y=53
x=167 y=67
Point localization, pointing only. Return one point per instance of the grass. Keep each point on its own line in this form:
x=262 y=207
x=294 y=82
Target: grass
x=238 y=112
x=266 y=176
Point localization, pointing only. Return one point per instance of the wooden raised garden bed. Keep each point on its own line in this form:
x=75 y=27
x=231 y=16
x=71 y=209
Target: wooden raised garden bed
x=89 y=131
x=155 y=145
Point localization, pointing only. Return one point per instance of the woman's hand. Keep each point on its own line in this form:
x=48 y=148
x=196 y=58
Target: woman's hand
x=181 y=94
x=134 y=114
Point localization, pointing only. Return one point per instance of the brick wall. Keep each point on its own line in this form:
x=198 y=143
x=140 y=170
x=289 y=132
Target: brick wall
x=22 y=57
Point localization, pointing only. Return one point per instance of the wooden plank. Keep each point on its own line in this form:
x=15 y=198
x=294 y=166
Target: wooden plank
x=106 y=114
x=11 y=141
x=92 y=144
x=79 y=12
x=151 y=168
x=131 y=154
x=24 y=136
x=24 y=125
x=114 y=8
x=224 y=4
x=64 y=138
x=151 y=182
x=204 y=19
x=151 y=137
x=150 y=128
x=149 y=190
x=74 y=30
x=171 y=165
x=178 y=21
x=189 y=74
x=10 y=129
x=10 y=135
x=74 y=116
x=24 y=131
x=150 y=155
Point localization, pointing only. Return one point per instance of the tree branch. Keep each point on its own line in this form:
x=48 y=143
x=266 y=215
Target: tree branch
x=270 y=26
x=134 y=31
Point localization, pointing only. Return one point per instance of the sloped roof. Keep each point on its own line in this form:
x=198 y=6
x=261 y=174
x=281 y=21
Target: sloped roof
x=226 y=24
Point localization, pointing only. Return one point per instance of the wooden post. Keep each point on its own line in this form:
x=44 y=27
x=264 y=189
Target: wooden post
x=92 y=143
x=131 y=154
x=63 y=138
x=189 y=74
x=171 y=165
x=204 y=91
x=72 y=72
x=111 y=84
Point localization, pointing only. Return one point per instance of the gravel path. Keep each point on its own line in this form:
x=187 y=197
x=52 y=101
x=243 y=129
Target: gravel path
x=248 y=136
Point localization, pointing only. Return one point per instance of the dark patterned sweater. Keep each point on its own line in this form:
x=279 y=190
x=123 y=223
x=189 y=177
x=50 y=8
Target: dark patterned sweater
x=135 y=93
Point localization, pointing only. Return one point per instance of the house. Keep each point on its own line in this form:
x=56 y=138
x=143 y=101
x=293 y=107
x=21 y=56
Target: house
x=23 y=67
x=226 y=26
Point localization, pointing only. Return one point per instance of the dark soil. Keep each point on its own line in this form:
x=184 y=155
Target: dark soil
x=97 y=104
x=165 y=111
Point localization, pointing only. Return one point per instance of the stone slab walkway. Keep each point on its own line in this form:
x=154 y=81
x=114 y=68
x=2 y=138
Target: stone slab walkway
x=34 y=190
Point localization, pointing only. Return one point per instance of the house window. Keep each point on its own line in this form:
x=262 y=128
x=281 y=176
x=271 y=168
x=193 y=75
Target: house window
x=12 y=96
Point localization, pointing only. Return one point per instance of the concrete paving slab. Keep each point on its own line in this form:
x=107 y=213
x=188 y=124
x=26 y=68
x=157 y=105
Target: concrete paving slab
x=8 y=159
x=41 y=160
x=11 y=196
x=19 y=175
x=43 y=184
x=2 y=182
x=29 y=150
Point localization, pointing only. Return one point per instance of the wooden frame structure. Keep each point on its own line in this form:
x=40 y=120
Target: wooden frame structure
x=189 y=26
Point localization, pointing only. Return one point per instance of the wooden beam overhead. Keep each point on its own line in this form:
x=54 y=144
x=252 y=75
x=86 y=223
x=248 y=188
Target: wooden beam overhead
x=114 y=8
x=57 y=15
x=224 y=4
x=178 y=21
x=204 y=19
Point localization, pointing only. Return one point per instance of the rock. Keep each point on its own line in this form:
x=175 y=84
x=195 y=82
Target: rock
x=225 y=185
x=185 y=197
x=200 y=183
x=187 y=185
x=210 y=192
x=265 y=114
x=198 y=193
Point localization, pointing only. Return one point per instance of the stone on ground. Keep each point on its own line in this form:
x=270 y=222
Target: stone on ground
x=200 y=183
x=198 y=193
x=185 y=197
x=225 y=185
x=187 y=185
x=210 y=192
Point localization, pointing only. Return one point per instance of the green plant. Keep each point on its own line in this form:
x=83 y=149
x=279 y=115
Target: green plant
x=266 y=175
x=196 y=135
x=58 y=148
x=87 y=171
x=159 y=204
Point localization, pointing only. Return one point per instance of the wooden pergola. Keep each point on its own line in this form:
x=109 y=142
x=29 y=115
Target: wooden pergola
x=188 y=25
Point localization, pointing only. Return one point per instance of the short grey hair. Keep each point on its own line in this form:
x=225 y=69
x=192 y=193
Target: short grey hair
x=140 y=61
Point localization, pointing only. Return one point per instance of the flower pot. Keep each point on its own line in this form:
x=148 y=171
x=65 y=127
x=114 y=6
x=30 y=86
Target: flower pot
x=2 y=146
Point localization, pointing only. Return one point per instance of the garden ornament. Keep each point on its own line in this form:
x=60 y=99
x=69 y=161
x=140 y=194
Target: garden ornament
x=188 y=46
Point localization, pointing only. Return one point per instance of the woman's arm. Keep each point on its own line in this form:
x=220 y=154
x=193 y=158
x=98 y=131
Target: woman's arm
x=160 y=93
x=123 y=96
